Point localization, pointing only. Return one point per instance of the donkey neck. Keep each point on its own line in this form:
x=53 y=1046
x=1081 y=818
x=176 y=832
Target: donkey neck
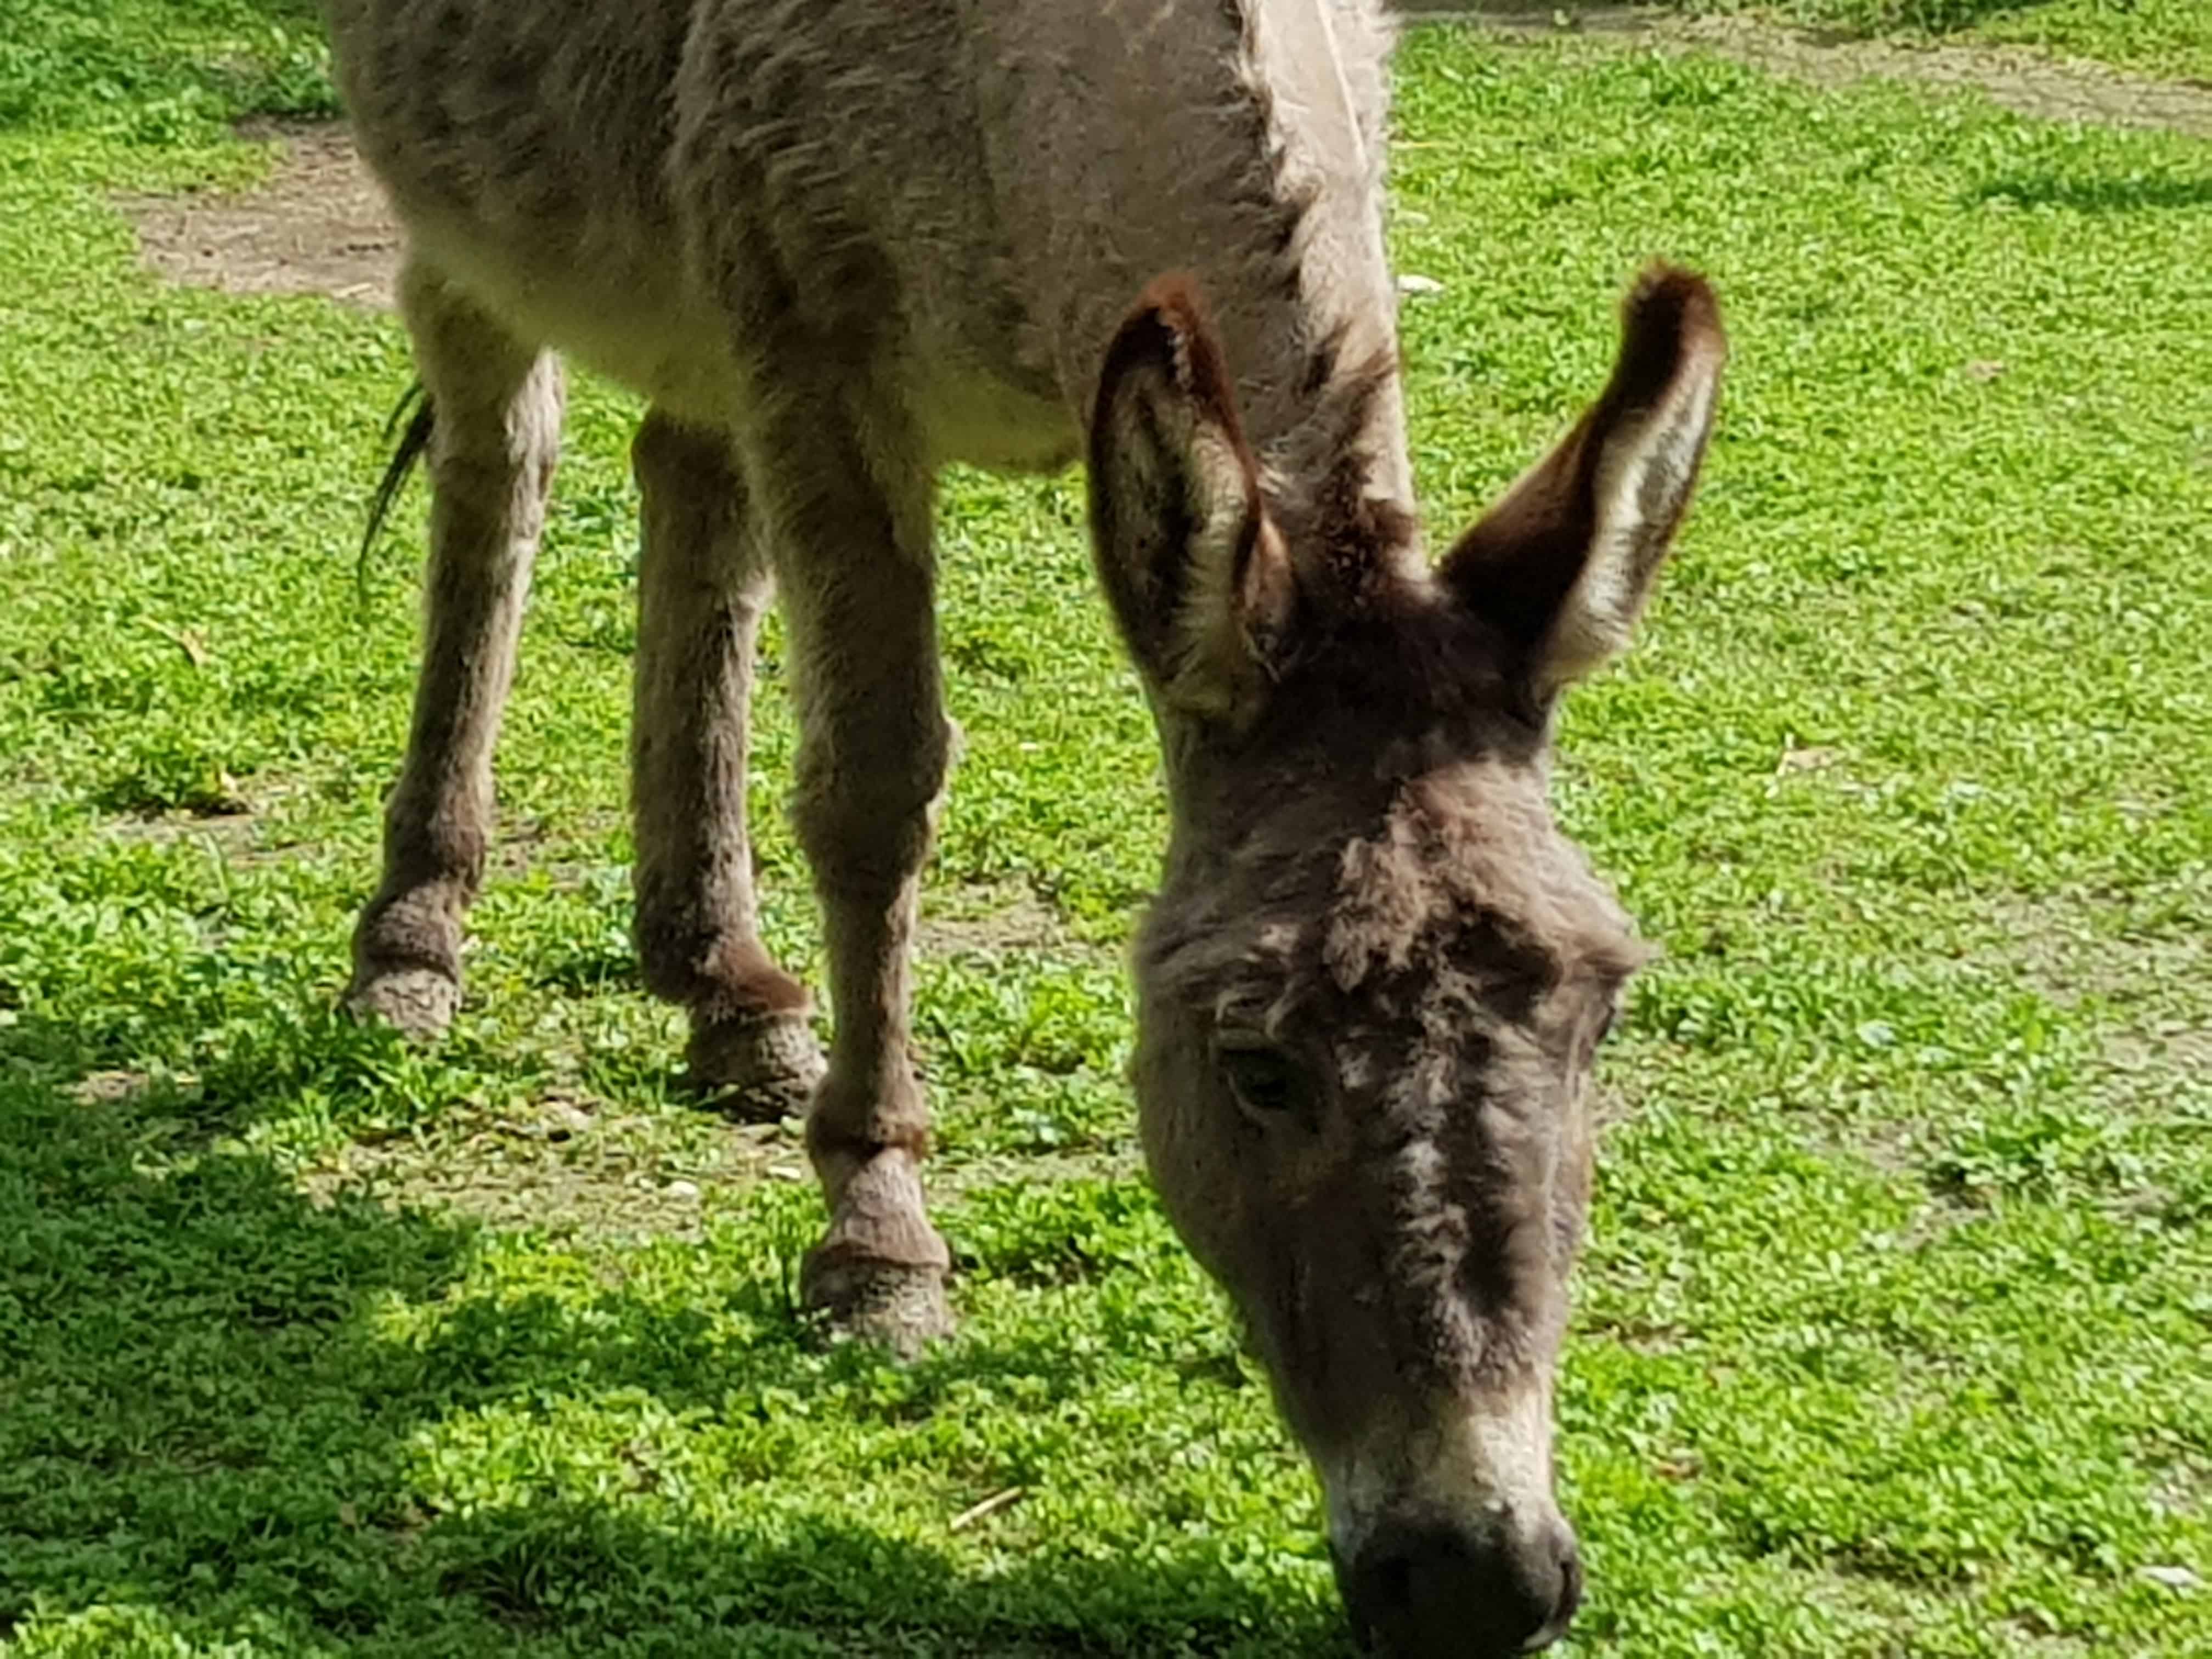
x=1317 y=69
x=1240 y=140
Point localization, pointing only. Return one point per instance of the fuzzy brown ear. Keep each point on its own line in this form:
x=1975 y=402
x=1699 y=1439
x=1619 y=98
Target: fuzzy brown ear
x=1564 y=561
x=1199 y=578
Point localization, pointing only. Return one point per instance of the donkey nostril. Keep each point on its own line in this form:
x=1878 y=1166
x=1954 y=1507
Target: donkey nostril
x=1379 y=1592
x=1570 y=1588
x=1429 y=1592
x=1391 y=1583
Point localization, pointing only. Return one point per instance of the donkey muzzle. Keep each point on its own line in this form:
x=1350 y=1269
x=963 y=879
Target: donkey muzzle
x=1432 y=1590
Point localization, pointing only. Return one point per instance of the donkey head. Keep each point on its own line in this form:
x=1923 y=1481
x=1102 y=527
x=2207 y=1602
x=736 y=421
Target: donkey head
x=1374 y=979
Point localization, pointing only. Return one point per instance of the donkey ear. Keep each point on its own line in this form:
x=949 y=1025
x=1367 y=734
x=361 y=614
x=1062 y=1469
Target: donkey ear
x=1564 y=562
x=1199 y=578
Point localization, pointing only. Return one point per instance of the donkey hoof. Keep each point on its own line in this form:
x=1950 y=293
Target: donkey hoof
x=755 y=1070
x=420 y=1002
x=899 y=1305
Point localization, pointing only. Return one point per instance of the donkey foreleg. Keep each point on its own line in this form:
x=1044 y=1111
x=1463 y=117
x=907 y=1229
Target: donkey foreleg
x=850 y=520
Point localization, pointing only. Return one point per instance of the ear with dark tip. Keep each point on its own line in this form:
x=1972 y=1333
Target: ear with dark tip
x=1565 y=561
x=1199 y=579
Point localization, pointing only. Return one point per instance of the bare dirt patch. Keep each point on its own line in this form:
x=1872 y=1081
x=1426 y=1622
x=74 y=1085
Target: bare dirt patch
x=2073 y=946
x=955 y=1177
x=2051 y=89
x=2030 y=82
x=570 y=1165
x=320 y=225
x=993 y=919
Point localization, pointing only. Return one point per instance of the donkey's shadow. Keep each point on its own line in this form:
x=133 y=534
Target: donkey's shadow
x=2090 y=194
x=216 y=1405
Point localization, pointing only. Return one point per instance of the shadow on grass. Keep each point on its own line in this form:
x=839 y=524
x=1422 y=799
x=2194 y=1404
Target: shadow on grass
x=2135 y=194
x=210 y=1418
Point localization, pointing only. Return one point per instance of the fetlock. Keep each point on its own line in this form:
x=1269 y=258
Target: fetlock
x=407 y=965
x=758 y=1068
x=879 y=1272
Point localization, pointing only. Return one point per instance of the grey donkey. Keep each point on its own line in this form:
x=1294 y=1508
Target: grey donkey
x=841 y=243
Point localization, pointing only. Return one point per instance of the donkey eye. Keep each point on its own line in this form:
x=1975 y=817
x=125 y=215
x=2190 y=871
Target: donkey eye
x=1264 y=1080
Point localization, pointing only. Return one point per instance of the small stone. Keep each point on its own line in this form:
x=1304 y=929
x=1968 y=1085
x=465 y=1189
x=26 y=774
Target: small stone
x=681 y=1189
x=2181 y=1579
x=565 y=1117
x=107 y=1088
x=1811 y=759
x=1413 y=282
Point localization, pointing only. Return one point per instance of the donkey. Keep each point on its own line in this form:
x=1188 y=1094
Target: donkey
x=839 y=244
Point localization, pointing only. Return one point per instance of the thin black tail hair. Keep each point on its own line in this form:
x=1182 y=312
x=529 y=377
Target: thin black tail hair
x=420 y=416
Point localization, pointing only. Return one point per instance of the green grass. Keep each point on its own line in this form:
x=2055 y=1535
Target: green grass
x=2158 y=37
x=153 y=69
x=1892 y=1334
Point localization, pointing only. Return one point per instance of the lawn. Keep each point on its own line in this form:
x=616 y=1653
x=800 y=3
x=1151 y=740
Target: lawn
x=1892 y=1336
x=2170 y=36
